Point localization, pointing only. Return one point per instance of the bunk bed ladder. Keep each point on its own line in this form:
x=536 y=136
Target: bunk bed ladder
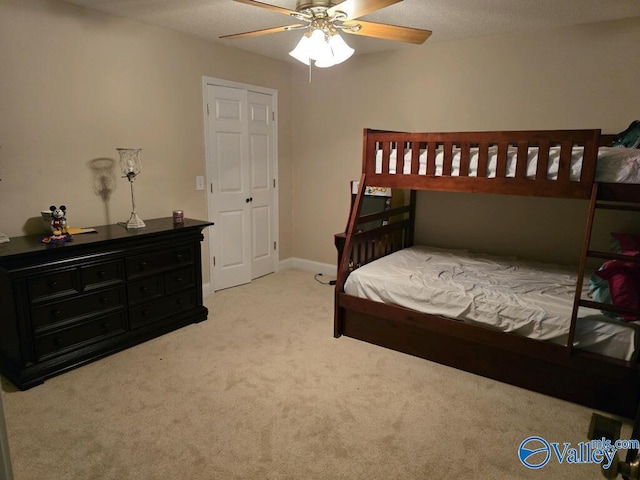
x=343 y=257
x=577 y=301
x=605 y=200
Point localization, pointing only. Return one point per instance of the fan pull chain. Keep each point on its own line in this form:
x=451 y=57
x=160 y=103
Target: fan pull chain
x=309 y=72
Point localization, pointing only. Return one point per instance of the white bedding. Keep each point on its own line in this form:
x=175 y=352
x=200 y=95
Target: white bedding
x=530 y=299
x=615 y=165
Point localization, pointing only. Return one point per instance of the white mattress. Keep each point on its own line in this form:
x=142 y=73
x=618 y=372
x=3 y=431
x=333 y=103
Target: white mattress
x=615 y=165
x=530 y=299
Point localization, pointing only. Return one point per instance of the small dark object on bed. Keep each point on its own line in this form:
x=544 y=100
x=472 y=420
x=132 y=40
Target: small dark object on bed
x=630 y=138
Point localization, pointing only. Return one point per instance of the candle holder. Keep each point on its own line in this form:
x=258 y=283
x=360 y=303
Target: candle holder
x=131 y=166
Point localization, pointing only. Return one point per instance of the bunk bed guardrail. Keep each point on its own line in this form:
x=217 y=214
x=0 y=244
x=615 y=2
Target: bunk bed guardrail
x=491 y=162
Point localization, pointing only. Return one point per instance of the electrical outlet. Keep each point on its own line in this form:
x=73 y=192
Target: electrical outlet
x=199 y=182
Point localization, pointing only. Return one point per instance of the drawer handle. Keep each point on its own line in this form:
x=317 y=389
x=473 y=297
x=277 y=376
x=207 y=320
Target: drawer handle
x=101 y=273
x=145 y=313
x=143 y=265
x=179 y=257
x=144 y=289
x=105 y=325
x=179 y=279
x=56 y=313
x=104 y=300
x=53 y=284
x=58 y=341
x=179 y=301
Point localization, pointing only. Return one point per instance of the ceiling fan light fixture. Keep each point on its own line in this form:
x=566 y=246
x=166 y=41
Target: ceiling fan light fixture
x=323 y=19
x=325 y=50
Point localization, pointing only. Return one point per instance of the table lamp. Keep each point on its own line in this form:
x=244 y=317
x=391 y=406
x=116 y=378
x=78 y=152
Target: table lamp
x=131 y=166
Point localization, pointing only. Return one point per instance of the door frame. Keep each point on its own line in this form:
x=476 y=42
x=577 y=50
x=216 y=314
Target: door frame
x=208 y=161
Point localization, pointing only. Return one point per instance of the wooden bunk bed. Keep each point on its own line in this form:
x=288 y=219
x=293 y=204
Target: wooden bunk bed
x=486 y=162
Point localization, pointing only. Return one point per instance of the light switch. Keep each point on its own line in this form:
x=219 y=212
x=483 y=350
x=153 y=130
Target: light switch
x=199 y=182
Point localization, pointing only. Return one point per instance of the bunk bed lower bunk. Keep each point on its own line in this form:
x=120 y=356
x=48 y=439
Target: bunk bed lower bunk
x=556 y=340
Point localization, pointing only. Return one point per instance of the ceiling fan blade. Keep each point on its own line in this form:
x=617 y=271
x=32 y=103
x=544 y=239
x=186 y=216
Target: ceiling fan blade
x=359 y=8
x=265 y=31
x=268 y=6
x=388 y=32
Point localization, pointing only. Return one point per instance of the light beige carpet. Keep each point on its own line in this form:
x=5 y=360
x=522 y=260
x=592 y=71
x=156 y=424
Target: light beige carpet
x=262 y=390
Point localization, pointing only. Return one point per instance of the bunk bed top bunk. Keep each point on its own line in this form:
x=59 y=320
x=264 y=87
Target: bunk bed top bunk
x=551 y=163
x=584 y=360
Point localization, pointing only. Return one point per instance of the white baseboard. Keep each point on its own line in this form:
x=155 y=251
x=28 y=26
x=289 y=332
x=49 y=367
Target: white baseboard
x=308 y=266
x=206 y=290
x=285 y=265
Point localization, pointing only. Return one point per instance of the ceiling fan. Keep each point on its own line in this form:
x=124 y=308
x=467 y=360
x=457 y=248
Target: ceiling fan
x=324 y=19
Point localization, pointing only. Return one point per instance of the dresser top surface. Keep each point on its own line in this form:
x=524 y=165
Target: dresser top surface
x=114 y=232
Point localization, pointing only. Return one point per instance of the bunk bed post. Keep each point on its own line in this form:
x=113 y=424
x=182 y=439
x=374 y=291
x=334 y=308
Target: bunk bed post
x=588 y=172
x=582 y=265
x=338 y=313
x=412 y=219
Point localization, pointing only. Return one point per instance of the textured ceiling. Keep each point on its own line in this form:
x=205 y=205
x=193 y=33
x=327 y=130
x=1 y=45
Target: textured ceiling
x=448 y=19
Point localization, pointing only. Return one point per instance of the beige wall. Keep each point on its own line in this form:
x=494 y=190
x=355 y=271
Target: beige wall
x=76 y=84
x=577 y=77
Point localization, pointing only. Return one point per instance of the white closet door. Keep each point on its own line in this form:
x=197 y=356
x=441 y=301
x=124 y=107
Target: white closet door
x=241 y=168
x=262 y=183
x=228 y=133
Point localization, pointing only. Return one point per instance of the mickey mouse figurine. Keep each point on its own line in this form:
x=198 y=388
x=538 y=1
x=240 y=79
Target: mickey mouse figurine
x=58 y=219
x=58 y=225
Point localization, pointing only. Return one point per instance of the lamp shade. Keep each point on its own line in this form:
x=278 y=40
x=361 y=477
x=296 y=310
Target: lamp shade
x=341 y=51
x=320 y=49
x=130 y=162
x=301 y=52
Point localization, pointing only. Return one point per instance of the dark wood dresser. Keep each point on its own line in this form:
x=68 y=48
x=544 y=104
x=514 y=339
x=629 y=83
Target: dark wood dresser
x=68 y=304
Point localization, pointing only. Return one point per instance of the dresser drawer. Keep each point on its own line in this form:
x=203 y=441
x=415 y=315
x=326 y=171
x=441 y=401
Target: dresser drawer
x=170 y=305
x=61 y=282
x=79 y=335
x=75 y=308
x=145 y=289
x=179 y=280
x=158 y=261
x=102 y=274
